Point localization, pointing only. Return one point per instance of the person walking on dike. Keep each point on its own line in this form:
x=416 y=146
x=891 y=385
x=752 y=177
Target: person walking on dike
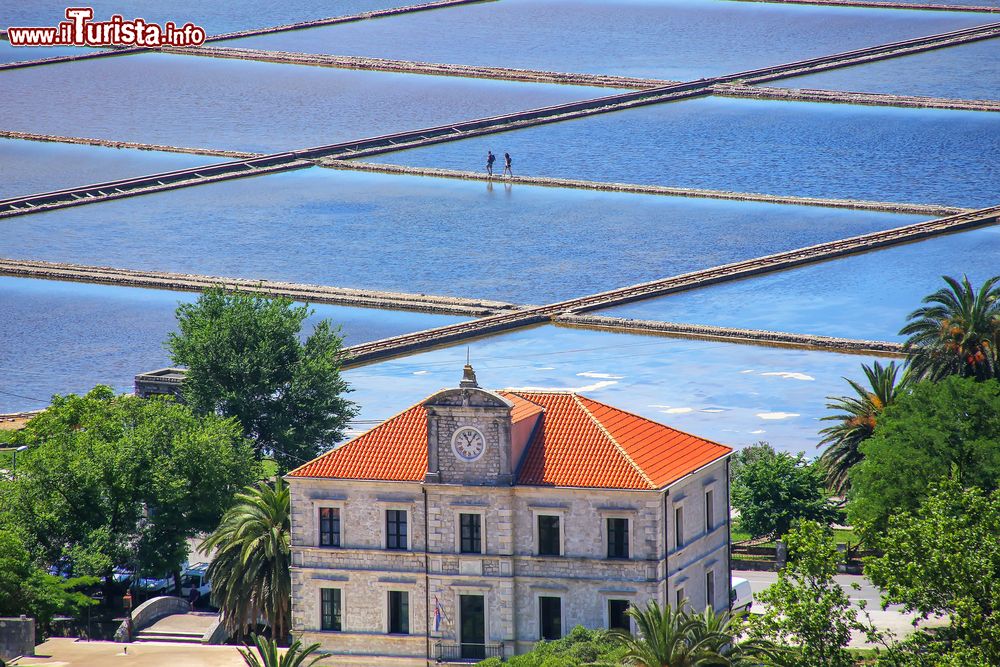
x=490 y=159
x=506 y=165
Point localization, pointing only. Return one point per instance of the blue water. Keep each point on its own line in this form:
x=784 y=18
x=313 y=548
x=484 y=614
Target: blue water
x=861 y=296
x=67 y=337
x=667 y=39
x=10 y=54
x=28 y=167
x=244 y=105
x=214 y=17
x=969 y=71
x=439 y=236
x=734 y=394
x=784 y=148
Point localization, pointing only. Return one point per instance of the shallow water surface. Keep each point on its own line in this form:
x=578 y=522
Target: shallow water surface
x=666 y=39
x=61 y=337
x=10 y=54
x=29 y=167
x=970 y=71
x=214 y=17
x=861 y=296
x=439 y=236
x=783 y=148
x=243 y=105
x=734 y=394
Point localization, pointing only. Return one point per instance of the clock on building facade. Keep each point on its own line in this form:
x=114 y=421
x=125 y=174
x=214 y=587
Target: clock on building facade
x=468 y=443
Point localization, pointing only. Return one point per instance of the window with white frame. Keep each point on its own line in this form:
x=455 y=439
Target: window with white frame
x=709 y=510
x=678 y=527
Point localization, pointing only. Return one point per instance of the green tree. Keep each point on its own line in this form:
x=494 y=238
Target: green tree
x=117 y=481
x=806 y=609
x=773 y=490
x=578 y=648
x=958 y=334
x=250 y=567
x=268 y=654
x=27 y=589
x=669 y=637
x=944 y=559
x=856 y=418
x=937 y=429
x=245 y=360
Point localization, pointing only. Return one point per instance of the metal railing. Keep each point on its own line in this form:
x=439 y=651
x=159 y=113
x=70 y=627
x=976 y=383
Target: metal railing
x=466 y=652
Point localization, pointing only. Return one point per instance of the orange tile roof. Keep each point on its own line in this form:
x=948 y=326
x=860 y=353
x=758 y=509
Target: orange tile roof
x=393 y=451
x=580 y=443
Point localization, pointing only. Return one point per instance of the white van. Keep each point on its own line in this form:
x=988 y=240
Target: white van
x=741 y=595
x=195 y=577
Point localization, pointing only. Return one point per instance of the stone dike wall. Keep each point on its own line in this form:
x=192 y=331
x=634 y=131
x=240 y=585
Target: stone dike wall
x=731 y=334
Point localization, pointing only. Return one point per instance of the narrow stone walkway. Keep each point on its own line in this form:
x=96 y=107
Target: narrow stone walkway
x=638 y=188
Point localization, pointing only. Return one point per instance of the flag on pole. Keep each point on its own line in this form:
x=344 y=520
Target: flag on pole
x=437 y=615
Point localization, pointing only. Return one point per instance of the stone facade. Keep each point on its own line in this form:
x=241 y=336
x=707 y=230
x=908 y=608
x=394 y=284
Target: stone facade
x=510 y=575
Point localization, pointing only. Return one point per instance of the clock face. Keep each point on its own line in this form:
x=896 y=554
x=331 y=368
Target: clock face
x=468 y=443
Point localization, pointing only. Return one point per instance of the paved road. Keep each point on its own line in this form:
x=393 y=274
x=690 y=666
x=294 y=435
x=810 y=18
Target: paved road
x=892 y=619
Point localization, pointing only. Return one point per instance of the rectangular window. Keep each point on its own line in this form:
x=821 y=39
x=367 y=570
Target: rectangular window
x=709 y=511
x=395 y=529
x=710 y=589
x=549 y=618
x=617 y=538
x=399 y=613
x=329 y=527
x=678 y=527
x=331 y=609
x=617 y=618
x=548 y=535
x=678 y=599
x=470 y=539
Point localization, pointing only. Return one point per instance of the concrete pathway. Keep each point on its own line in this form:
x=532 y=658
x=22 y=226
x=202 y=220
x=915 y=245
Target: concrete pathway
x=68 y=652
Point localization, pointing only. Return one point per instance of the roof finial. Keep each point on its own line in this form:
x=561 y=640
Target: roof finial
x=468 y=375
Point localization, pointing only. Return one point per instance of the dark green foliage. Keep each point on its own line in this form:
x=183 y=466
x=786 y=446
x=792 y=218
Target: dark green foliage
x=580 y=647
x=939 y=429
x=117 y=481
x=269 y=655
x=958 y=333
x=772 y=490
x=252 y=553
x=27 y=589
x=806 y=609
x=945 y=559
x=245 y=360
x=856 y=419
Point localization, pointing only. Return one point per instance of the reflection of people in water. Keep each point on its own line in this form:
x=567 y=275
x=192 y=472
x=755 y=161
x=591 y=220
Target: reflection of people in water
x=490 y=159
x=506 y=165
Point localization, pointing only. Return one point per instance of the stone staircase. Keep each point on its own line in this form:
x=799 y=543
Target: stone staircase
x=188 y=628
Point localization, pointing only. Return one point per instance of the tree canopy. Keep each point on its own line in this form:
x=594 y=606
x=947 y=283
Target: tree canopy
x=944 y=558
x=772 y=490
x=957 y=333
x=936 y=430
x=856 y=418
x=806 y=609
x=245 y=360
x=117 y=481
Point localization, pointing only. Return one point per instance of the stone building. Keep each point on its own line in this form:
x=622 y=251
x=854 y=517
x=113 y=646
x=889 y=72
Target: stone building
x=477 y=522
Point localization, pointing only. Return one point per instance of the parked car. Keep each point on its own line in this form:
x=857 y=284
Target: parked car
x=741 y=595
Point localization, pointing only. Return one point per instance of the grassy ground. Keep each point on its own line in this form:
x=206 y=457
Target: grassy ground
x=840 y=535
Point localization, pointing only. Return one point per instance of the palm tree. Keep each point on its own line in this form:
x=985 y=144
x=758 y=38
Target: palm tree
x=250 y=569
x=958 y=335
x=295 y=656
x=856 y=419
x=677 y=638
